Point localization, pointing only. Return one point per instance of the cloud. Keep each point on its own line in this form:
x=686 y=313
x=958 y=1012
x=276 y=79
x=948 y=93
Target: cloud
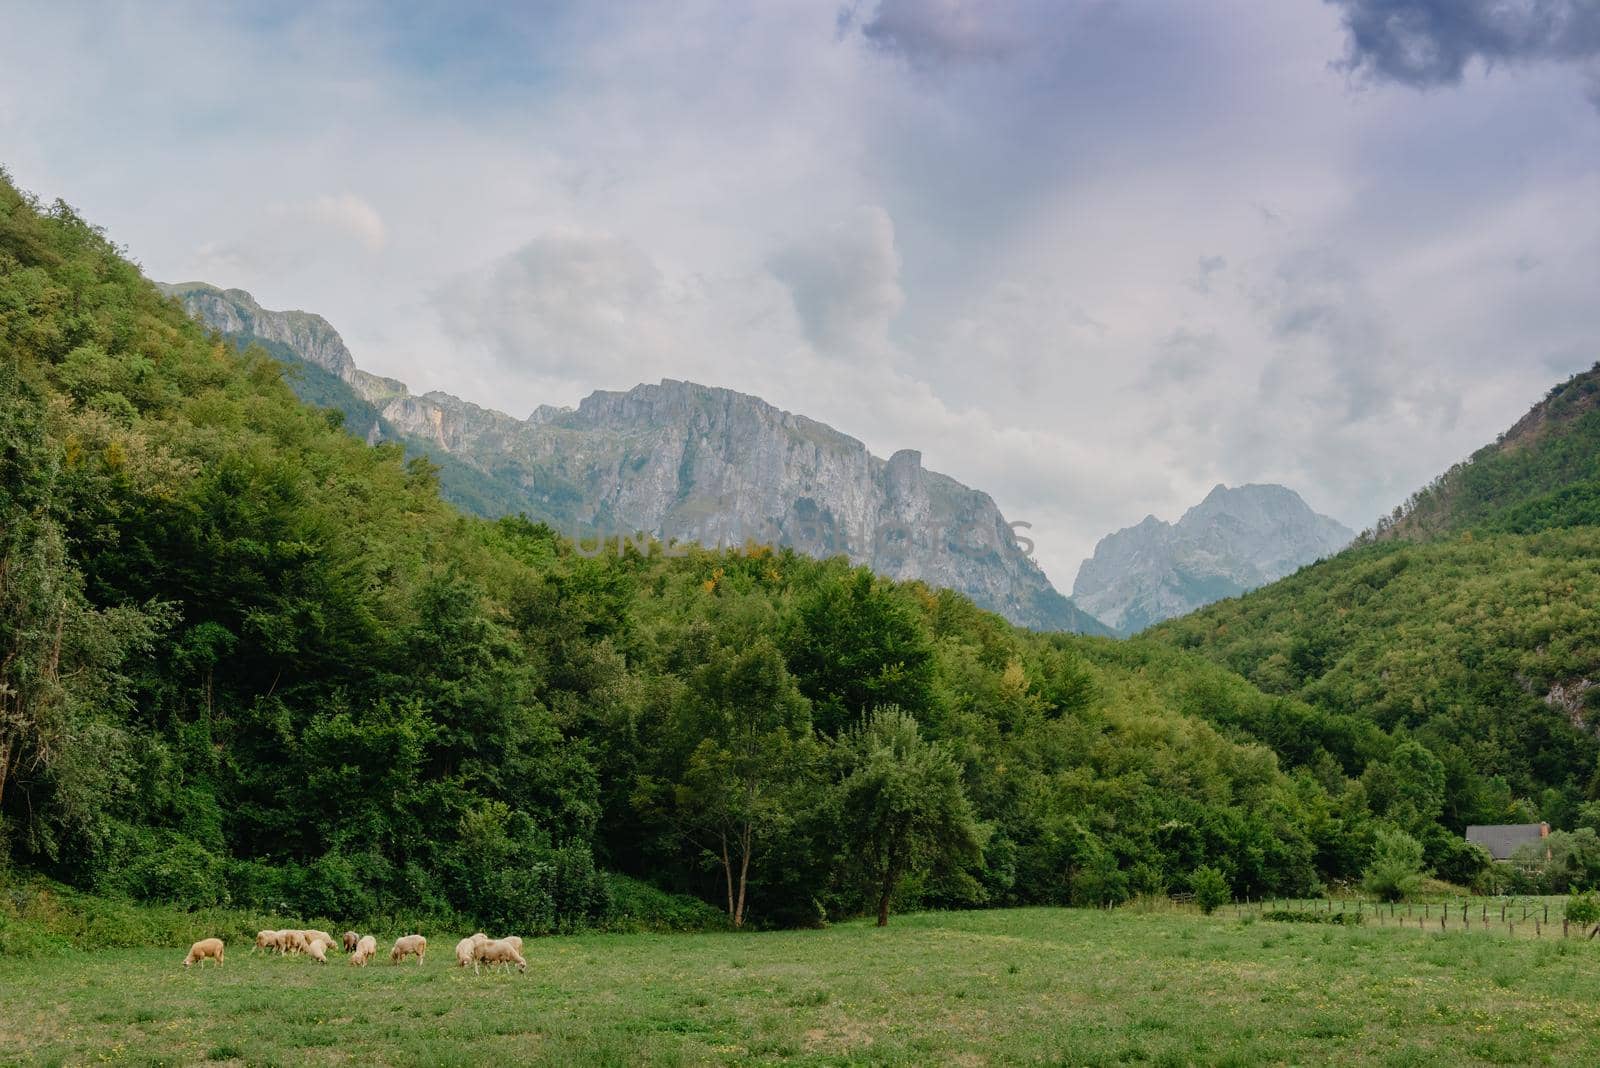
x=1429 y=43
x=932 y=33
x=619 y=193
x=845 y=282
x=1206 y=268
x=342 y=228
x=345 y=213
x=568 y=306
x=1183 y=358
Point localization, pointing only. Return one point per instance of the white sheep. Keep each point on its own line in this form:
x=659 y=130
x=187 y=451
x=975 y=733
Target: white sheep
x=351 y=940
x=364 y=951
x=317 y=947
x=466 y=947
x=206 y=947
x=497 y=952
x=407 y=945
x=266 y=940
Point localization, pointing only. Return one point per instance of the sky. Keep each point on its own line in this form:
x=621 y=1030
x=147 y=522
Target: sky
x=1092 y=257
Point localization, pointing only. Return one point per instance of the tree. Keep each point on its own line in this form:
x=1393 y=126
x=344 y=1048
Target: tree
x=62 y=681
x=901 y=804
x=753 y=728
x=856 y=646
x=1210 y=889
x=1395 y=872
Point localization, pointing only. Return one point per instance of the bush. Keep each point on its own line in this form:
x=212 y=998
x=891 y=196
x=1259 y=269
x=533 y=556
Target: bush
x=1560 y=863
x=1584 y=907
x=1341 y=919
x=1454 y=859
x=1210 y=889
x=1395 y=872
x=638 y=906
x=168 y=868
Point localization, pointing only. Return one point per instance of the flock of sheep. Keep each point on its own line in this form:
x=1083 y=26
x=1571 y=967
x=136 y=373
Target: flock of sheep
x=474 y=949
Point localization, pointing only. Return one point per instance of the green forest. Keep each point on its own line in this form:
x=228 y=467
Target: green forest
x=247 y=659
x=1465 y=623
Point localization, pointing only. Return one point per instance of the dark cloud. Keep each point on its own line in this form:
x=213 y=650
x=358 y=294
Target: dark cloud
x=568 y=305
x=1183 y=358
x=1206 y=268
x=1427 y=43
x=845 y=281
x=932 y=33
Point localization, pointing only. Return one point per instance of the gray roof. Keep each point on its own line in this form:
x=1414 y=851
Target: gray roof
x=1502 y=839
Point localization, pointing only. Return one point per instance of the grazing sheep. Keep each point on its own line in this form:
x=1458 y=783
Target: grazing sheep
x=317 y=946
x=324 y=935
x=364 y=951
x=515 y=940
x=406 y=945
x=500 y=952
x=351 y=940
x=292 y=941
x=465 y=949
x=266 y=940
x=206 y=947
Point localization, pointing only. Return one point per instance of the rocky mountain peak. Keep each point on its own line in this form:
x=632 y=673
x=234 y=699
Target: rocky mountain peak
x=688 y=462
x=1234 y=540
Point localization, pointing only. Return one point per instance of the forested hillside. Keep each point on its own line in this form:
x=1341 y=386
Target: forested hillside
x=1542 y=473
x=247 y=658
x=1469 y=622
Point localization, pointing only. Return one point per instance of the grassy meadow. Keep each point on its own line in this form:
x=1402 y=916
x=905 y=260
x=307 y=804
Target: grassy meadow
x=1028 y=986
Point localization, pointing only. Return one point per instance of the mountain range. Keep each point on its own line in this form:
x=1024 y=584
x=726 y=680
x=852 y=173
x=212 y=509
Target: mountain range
x=1234 y=540
x=681 y=461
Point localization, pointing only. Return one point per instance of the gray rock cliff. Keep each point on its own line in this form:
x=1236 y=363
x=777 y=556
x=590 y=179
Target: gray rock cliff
x=686 y=462
x=1233 y=541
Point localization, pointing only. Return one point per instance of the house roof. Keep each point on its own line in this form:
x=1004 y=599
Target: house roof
x=1502 y=839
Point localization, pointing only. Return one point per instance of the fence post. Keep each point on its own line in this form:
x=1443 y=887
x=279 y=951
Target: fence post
x=1563 y=927
x=1536 y=931
x=1502 y=912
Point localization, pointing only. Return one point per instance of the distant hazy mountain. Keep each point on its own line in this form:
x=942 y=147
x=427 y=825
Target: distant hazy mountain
x=1233 y=541
x=675 y=459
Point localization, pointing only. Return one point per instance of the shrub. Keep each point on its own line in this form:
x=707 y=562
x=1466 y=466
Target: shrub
x=1395 y=872
x=168 y=868
x=1340 y=919
x=1562 y=862
x=638 y=906
x=1210 y=889
x=1584 y=907
x=1454 y=859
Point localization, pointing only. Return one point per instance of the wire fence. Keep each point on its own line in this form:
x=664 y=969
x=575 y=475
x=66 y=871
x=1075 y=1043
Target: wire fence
x=1516 y=917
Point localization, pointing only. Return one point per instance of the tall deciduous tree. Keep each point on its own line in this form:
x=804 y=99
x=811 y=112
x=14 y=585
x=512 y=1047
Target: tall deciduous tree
x=902 y=806
x=746 y=733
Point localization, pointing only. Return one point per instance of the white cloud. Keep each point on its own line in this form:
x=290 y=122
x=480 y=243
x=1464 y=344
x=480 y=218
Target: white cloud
x=345 y=214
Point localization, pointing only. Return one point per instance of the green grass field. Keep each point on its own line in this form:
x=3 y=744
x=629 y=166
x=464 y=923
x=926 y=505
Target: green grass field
x=1035 y=985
